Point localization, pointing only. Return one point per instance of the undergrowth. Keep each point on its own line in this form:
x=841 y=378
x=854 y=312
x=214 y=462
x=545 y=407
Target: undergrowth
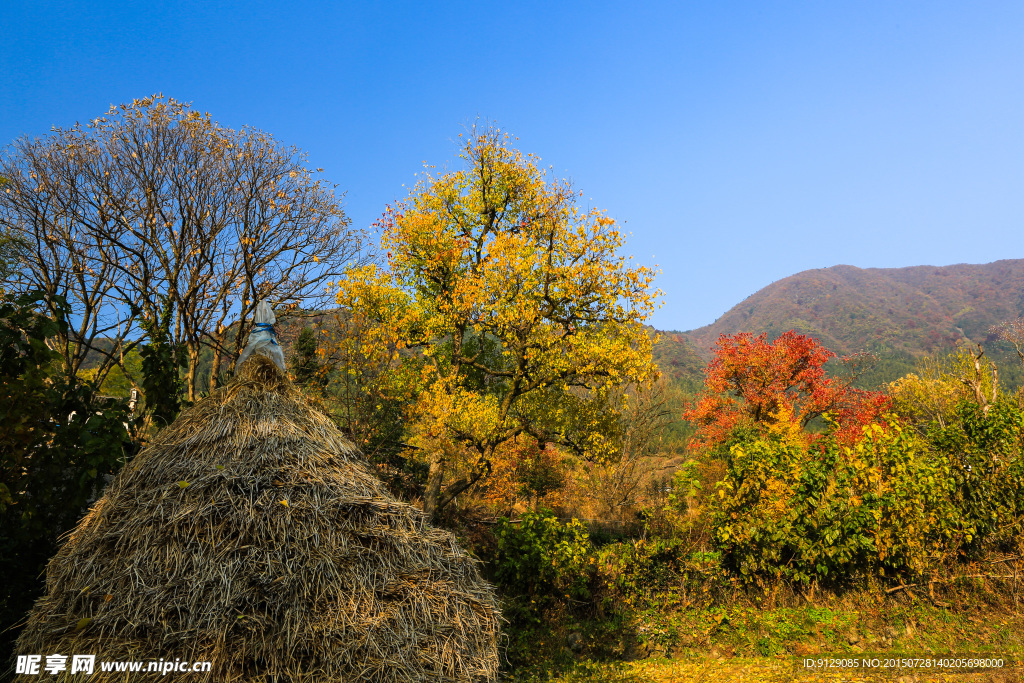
x=646 y=605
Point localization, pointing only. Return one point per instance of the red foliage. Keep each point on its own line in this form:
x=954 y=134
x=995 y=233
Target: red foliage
x=751 y=381
x=858 y=409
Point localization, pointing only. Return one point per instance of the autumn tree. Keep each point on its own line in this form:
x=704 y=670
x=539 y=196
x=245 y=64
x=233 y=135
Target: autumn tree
x=60 y=259
x=365 y=381
x=10 y=248
x=155 y=205
x=752 y=382
x=517 y=305
x=9 y=253
x=524 y=473
x=930 y=396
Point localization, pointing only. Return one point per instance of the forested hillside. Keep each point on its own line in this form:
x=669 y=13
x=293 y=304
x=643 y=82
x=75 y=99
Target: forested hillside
x=898 y=314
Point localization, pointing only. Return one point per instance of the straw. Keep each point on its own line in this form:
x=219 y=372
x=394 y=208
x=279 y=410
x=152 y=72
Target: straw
x=253 y=535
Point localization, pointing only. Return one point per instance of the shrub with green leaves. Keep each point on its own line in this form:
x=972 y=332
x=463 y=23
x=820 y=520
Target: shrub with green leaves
x=825 y=511
x=984 y=449
x=161 y=362
x=56 y=449
x=653 y=568
x=540 y=556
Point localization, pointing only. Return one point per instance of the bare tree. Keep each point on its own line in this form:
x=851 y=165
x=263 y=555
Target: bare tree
x=9 y=251
x=156 y=201
x=615 y=485
x=1013 y=332
x=58 y=256
x=932 y=393
x=975 y=381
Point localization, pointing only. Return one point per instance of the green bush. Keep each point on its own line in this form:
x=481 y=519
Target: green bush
x=673 y=517
x=825 y=511
x=56 y=451
x=985 y=453
x=657 y=568
x=541 y=557
x=161 y=365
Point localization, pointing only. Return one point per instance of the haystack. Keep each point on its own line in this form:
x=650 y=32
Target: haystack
x=251 y=534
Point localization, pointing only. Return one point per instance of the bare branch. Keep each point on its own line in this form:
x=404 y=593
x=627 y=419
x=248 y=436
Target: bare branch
x=155 y=199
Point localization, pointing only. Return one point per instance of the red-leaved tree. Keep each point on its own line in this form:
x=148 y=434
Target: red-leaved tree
x=779 y=384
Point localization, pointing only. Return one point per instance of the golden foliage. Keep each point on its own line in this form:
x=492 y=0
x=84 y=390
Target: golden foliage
x=932 y=394
x=517 y=300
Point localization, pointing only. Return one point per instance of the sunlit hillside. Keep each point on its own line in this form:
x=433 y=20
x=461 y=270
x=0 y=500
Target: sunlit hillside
x=898 y=314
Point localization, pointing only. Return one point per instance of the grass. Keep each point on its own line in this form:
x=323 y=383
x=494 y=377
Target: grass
x=722 y=663
x=757 y=670
x=740 y=637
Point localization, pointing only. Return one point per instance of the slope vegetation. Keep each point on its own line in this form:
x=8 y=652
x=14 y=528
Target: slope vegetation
x=899 y=314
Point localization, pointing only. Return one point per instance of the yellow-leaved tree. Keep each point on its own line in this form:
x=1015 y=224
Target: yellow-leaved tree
x=941 y=383
x=516 y=307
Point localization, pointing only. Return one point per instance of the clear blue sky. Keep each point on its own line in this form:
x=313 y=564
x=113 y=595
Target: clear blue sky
x=739 y=142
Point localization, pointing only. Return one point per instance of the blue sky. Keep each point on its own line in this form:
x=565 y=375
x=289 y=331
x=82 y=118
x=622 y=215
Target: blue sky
x=737 y=142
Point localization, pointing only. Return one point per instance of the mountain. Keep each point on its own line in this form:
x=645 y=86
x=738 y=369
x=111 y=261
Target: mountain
x=899 y=314
x=677 y=357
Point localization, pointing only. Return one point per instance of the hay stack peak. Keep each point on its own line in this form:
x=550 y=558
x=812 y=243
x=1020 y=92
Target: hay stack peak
x=251 y=534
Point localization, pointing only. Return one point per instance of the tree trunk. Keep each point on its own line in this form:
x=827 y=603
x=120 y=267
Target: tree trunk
x=193 y=368
x=216 y=367
x=435 y=477
x=479 y=471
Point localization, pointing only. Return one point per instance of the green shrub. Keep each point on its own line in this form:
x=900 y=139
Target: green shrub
x=678 y=514
x=659 y=570
x=56 y=452
x=984 y=449
x=539 y=556
x=642 y=567
x=825 y=512
x=161 y=362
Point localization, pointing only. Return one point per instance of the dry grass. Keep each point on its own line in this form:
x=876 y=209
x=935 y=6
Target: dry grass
x=759 y=670
x=253 y=535
x=788 y=670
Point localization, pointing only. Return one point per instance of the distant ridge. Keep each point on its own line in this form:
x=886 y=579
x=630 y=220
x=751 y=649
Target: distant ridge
x=901 y=313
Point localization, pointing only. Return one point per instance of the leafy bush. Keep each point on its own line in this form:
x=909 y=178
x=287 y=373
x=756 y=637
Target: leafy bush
x=56 y=450
x=655 y=568
x=161 y=362
x=540 y=556
x=679 y=514
x=826 y=511
x=984 y=448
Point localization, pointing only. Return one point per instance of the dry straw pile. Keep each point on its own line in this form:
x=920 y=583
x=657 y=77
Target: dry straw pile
x=253 y=535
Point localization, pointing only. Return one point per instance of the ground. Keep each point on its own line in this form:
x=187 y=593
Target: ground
x=805 y=644
x=780 y=669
